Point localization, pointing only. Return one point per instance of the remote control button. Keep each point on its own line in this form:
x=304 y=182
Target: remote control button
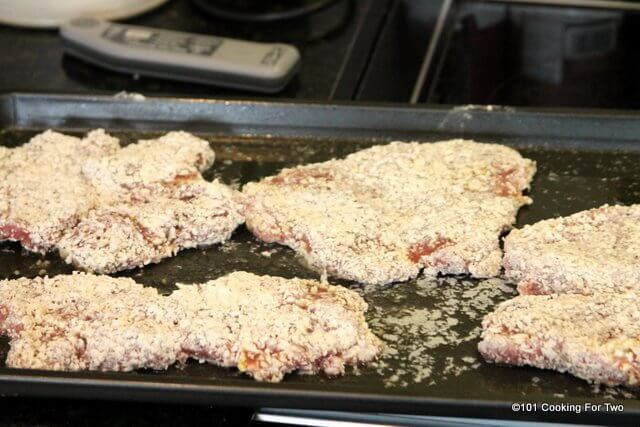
x=199 y=49
x=85 y=22
x=138 y=34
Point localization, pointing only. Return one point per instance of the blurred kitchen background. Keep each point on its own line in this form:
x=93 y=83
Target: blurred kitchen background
x=436 y=51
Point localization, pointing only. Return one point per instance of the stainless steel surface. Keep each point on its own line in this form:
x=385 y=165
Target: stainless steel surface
x=431 y=50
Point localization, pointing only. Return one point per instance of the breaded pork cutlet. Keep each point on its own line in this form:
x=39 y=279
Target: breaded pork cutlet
x=597 y=250
x=150 y=164
x=265 y=326
x=145 y=227
x=86 y=322
x=107 y=208
x=269 y=326
x=594 y=337
x=42 y=190
x=385 y=213
x=154 y=203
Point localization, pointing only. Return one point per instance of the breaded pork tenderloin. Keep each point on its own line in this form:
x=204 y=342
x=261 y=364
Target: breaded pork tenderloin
x=269 y=326
x=107 y=208
x=265 y=326
x=42 y=190
x=86 y=322
x=153 y=203
x=150 y=164
x=594 y=337
x=597 y=250
x=385 y=213
x=144 y=226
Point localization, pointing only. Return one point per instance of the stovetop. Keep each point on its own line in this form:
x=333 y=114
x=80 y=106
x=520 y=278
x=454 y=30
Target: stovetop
x=439 y=51
x=329 y=40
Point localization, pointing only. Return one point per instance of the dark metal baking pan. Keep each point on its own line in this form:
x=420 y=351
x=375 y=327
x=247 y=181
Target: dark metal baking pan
x=584 y=160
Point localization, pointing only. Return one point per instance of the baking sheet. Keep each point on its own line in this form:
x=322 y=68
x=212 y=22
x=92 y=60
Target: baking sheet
x=431 y=326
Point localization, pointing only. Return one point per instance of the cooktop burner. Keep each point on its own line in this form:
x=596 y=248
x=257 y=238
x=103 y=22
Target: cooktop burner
x=261 y=11
x=292 y=21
